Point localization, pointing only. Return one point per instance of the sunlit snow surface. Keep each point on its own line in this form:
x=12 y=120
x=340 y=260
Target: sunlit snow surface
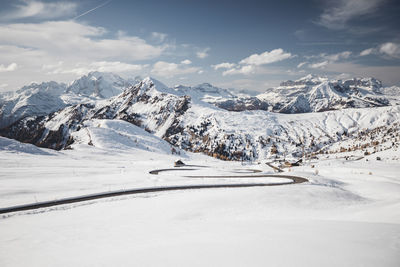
x=347 y=215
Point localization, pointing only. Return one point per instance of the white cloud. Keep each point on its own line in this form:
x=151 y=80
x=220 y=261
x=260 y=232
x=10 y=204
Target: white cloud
x=387 y=50
x=252 y=64
x=3 y=86
x=301 y=64
x=326 y=59
x=337 y=14
x=367 y=52
x=203 y=53
x=266 y=57
x=115 y=66
x=338 y=56
x=390 y=49
x=52 y=66
x=70 y=39
x=166 y=69
x=158 y=36
x=11 y=67
x=22 y=55
x=42 y=10
x=319 y=64
x=38 y=48
x=343 y=76
x=186 y=62
x=246 y=70
x=224 y=65
x=103 y=66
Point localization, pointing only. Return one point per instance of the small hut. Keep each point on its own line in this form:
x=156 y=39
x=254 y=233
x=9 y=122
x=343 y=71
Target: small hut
x=179 y=163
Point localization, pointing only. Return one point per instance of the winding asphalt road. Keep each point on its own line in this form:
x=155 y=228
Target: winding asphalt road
x=45 y=204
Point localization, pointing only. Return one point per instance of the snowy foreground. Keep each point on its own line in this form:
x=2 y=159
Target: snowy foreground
x=347 y=215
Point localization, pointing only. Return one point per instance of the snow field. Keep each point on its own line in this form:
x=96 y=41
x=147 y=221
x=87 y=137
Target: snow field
x=344 y=216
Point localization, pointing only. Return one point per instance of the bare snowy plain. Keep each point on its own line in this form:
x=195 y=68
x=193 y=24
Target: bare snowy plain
x=348 y=214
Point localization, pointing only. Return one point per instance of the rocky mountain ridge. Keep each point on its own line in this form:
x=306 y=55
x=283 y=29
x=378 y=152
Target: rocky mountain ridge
x=196 y=126
x=41 y=99
x=141 y=105
x=315 y=94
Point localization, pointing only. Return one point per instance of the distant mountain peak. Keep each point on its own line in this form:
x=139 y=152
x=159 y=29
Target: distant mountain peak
x=310 y=79
x=150 y=82
x=50 y=87
x=99 y=84
x=204 y=92
x=311 y=93
x=205 y=85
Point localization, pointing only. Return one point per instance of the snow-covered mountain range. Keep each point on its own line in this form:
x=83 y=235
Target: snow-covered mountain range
x=316 y=94
x=59 y=116
x=41 y=99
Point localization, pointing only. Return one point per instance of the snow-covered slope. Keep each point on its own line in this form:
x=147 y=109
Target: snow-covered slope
x=263 y=135
x=15 y=147
x=348 y=214
x=120 y=135
x=392 y=93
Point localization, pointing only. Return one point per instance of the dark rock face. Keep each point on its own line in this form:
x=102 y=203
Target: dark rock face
x=241 y=104
x=32 y=130
x=28 y=130
x=35 y=130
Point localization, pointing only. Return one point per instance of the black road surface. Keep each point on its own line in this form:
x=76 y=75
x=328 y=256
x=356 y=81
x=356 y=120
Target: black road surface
x=45 y=204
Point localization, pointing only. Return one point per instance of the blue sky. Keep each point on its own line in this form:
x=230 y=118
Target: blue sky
x=240 y=44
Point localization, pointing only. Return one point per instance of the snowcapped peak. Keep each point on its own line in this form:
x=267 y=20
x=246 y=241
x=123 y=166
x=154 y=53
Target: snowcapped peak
x=310 y=79
x=205 y=85
x=97 y=75
x=149 y=85
x=150 y=82
x=99 y=84
x=51 y=87
x=204 y=92
x=313 y=78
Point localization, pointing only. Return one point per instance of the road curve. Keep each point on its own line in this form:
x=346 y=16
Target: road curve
x=46 y=204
